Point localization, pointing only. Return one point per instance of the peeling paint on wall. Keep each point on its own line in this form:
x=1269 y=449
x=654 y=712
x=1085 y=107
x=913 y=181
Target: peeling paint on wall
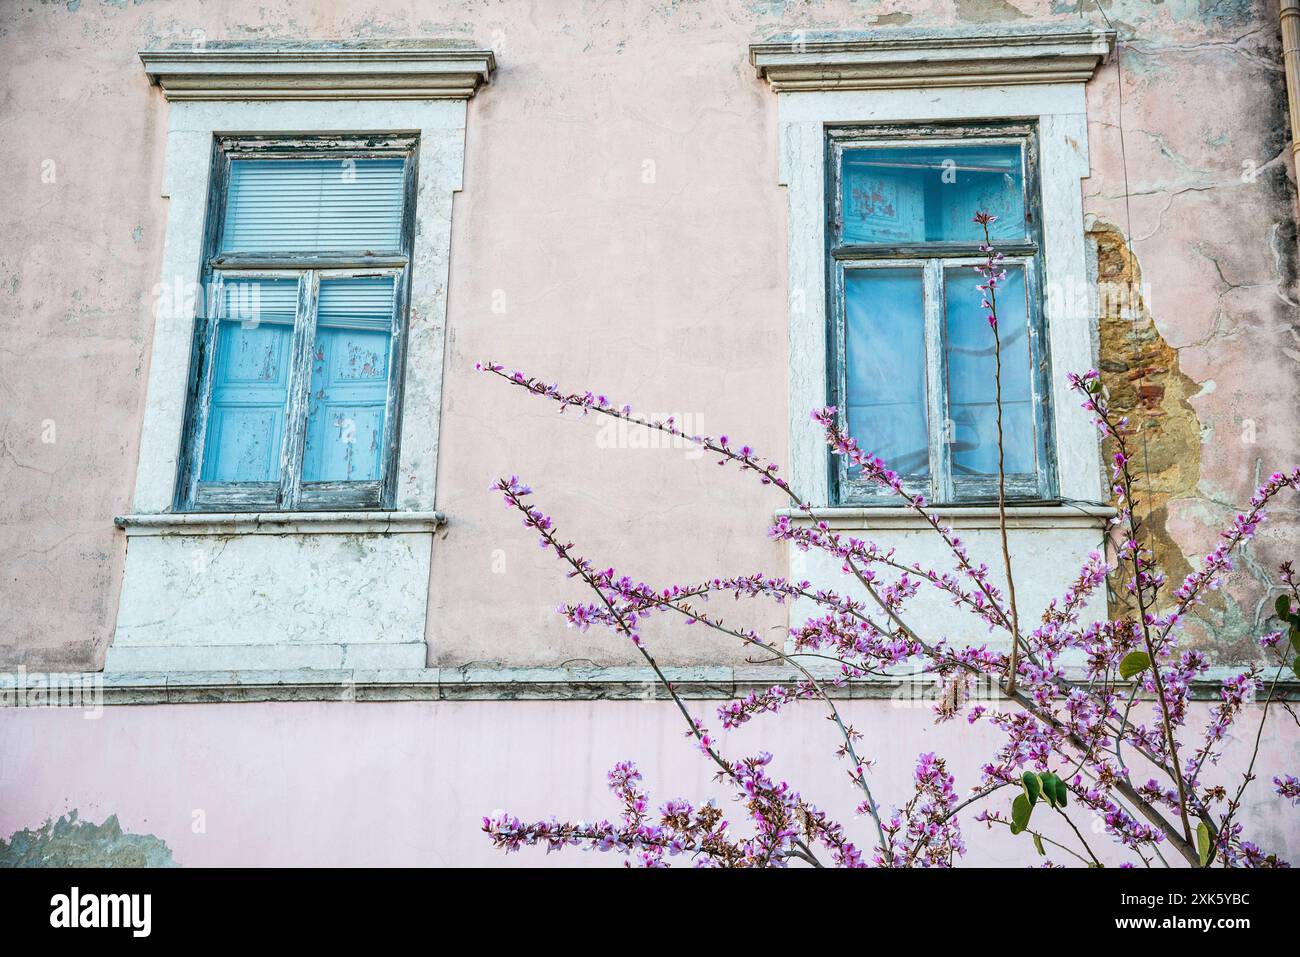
x=892 y=20
x=988 y=11
x=72 y=842
x=1146 y=384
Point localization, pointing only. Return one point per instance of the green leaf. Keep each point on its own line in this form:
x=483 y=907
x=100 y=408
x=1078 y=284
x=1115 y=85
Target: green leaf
x=1134 y=663
x=1203 y=843
x=1283 y=606
x=1033 y=787
x=1295 y=666
x=1049 y=791
x=1054 y=789
x=1020 y=811
x=1038 y=846
x=1295 y=637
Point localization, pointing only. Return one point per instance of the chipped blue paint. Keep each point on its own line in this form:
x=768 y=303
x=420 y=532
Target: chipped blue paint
x=250 y=387
x=349 y=386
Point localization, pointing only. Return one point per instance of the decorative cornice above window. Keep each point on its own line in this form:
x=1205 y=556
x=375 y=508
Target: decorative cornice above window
x=929 y=59
x=413 y=70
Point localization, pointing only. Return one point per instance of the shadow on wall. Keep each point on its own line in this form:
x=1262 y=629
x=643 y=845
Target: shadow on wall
x=72 y=842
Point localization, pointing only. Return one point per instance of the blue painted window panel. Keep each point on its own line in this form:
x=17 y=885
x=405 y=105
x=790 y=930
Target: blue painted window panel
x=905 y=195
x=250 y=384
x=884 y=327
x=346 y=416
x=316 y=205
x=971 y=389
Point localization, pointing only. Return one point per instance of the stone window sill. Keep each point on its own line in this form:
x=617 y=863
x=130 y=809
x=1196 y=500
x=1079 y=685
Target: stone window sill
x=958 y=516
x=280 y=523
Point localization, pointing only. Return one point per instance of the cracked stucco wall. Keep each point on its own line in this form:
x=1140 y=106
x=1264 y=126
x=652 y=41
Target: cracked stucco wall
x=642 y=127
x=1204 y=354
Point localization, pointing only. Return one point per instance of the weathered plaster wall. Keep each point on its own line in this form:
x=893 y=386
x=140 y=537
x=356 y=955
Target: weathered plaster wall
x=1204 y=355
x=621 y=228
x=315 y=784
x=331 y=600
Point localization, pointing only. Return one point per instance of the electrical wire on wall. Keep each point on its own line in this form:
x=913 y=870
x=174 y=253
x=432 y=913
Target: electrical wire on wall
x=1130 y=300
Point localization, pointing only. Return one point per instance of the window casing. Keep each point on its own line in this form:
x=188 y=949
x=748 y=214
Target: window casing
x=299 y=351
x=910 y=351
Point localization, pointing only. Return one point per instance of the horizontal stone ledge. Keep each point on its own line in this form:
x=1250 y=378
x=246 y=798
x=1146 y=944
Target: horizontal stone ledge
x=280 y=523
x=881 y=517
x=46 y=690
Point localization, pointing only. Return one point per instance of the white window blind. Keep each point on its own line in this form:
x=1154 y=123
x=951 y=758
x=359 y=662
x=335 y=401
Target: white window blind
x=314 y=205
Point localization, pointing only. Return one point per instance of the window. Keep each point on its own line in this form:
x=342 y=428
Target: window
x=296 y=379
x=912 y=353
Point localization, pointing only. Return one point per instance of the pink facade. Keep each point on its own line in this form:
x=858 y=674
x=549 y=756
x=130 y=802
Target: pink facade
x=332 y=784
x=612 y=196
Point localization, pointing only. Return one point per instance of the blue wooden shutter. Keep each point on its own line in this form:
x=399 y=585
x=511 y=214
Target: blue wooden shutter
x=250 y=381
x=349 y=380
x=885 y=377
x=972 y=404
x=312 y=206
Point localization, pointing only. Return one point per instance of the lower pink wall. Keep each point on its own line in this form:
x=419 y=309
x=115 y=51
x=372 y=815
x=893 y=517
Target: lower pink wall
x=316 y=783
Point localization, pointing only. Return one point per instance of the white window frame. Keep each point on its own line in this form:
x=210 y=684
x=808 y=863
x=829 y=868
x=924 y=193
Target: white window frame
x=290 y=491
x=283 y=591
x=913 y=77
x=940 y=484
x=420 y=90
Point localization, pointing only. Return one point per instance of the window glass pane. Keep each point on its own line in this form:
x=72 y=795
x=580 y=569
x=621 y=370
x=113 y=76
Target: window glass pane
x=313 y=205
x=349 y=380
x=929 y=194
x=973 y=436
x=250 y=383
x=884 y=329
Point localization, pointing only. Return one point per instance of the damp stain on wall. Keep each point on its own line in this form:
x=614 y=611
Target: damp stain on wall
x=71 y=842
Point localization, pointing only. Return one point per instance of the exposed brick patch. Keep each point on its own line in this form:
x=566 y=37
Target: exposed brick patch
x=1141 y=372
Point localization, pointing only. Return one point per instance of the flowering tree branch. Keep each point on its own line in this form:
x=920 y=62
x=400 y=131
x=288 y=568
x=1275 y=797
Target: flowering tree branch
x=993 y=274
x=1064 y=729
